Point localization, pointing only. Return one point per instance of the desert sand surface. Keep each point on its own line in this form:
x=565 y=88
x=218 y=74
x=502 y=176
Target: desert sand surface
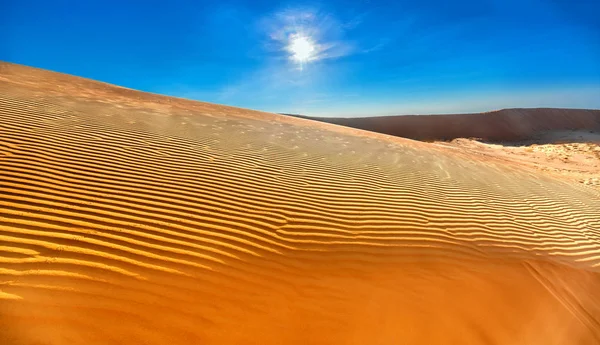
x=562 y=142
x=132 y=218
x=573 y=155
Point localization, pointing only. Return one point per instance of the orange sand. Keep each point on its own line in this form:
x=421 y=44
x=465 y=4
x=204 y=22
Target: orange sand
x=131 y=218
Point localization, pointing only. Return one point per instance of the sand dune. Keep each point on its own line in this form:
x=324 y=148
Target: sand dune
x=502 y=125
x=131 y=218
x=571 y=155
x=562 y=142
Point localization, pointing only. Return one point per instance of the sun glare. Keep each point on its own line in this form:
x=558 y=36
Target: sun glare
x=301 y=48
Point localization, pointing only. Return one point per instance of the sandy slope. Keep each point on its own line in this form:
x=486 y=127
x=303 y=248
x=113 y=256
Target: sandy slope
x=562 y=142
x=572 y=155
x=129 y=218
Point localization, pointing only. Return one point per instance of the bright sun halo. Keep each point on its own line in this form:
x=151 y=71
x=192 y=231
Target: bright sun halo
x=302 y=48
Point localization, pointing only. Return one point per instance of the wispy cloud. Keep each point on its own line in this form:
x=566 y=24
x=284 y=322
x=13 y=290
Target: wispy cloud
x=378 y=46
x=280 y=80
x=328 y=34
x=282 y=77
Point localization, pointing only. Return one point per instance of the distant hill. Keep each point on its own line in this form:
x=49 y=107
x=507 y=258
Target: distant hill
x=500 y=125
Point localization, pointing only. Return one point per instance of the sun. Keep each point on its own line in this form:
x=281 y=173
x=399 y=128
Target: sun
x=302 y=48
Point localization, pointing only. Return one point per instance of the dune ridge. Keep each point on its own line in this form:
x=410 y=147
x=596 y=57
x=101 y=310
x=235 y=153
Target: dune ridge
x=499 y=126
x=128 y=218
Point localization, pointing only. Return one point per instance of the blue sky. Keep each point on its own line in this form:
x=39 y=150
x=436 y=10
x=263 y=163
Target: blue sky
x=363 y=58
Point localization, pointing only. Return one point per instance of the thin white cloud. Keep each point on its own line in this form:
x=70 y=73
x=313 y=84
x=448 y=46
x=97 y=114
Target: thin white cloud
x=378 y=46
x=326 y=33
x=279 y=82
x=279 y=75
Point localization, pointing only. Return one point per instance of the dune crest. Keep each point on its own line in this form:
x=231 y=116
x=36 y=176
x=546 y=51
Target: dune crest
x=498 y=126
x=130 y=218
x=562 y=142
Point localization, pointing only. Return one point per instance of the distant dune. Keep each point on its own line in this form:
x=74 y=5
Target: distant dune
x=499 y=126
x=132 y=218
x=561 y=142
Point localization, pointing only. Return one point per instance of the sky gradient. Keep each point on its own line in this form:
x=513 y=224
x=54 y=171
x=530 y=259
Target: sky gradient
x=367 y=57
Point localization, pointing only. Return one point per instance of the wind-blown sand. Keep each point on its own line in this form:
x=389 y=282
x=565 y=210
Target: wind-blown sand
x=131 y=218
x=562 y=142
x=572 y=155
